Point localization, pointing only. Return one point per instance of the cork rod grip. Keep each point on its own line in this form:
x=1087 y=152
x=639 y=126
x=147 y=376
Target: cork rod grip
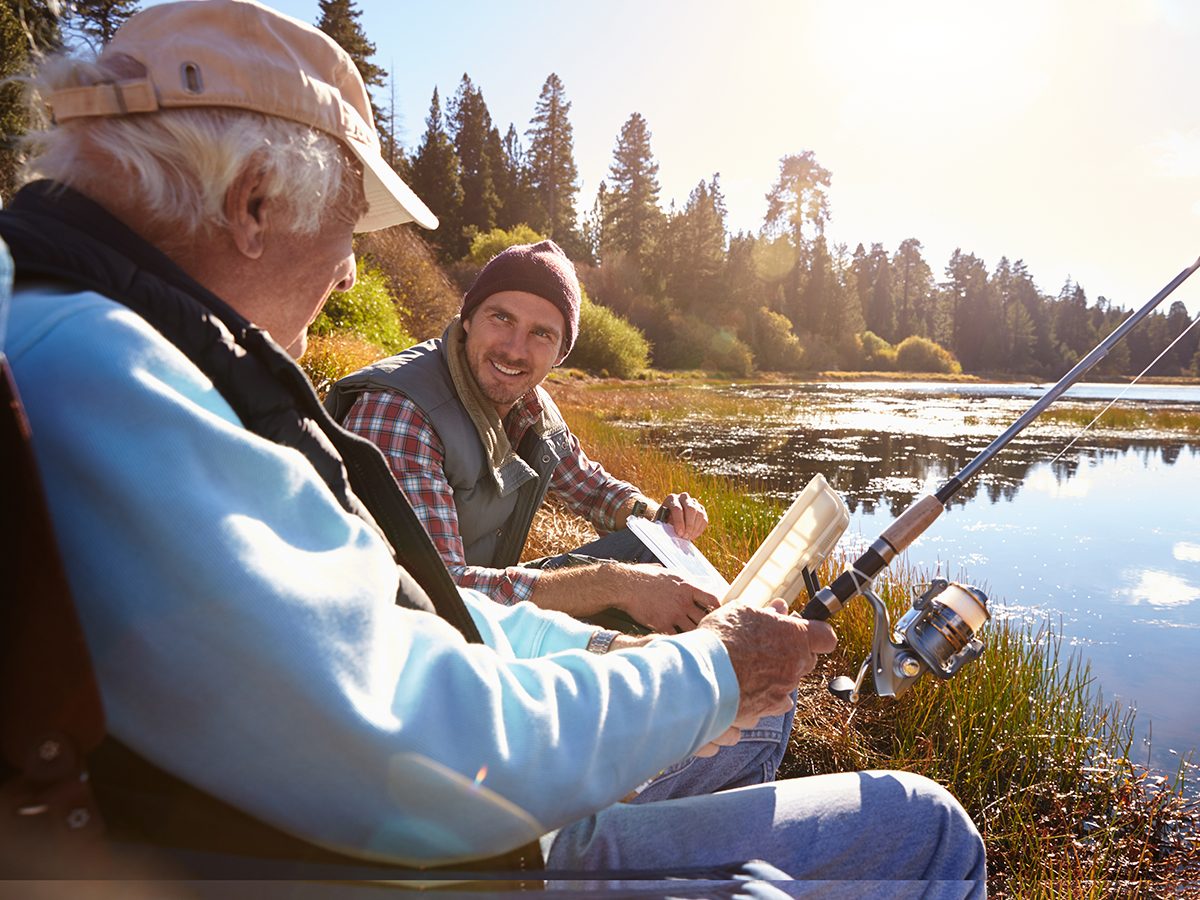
x=912 y=522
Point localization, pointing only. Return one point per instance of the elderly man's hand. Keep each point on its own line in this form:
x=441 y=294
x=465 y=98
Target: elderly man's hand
x=685 y=514
x=770 y=652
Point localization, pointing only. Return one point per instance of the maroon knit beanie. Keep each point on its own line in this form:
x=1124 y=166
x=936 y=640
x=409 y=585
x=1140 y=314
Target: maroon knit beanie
x=541 y=269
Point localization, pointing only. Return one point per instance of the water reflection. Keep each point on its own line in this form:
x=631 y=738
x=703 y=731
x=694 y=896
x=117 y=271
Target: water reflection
x=1104 y=542
x=1159 y=589
x=886 y=470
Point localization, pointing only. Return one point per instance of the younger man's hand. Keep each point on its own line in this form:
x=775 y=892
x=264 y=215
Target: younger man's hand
x=685 y=514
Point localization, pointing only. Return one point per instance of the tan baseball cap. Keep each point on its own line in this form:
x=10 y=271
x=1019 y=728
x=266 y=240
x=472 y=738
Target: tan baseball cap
x=240 y=54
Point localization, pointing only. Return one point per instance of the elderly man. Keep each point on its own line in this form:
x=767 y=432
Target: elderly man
x=476 y=443
x=261 y=655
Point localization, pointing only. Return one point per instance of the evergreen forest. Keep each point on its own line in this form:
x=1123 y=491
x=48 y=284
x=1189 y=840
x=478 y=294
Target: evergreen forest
x=782 y=298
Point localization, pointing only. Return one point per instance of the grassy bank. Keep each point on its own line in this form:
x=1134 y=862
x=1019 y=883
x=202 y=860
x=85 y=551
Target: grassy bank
x=1020 y=737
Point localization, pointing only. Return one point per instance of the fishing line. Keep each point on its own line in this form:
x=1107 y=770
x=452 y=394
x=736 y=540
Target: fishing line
x=1113 y=401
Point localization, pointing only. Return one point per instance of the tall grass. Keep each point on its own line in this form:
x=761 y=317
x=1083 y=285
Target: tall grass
x=1021 y=737
x=330 y=357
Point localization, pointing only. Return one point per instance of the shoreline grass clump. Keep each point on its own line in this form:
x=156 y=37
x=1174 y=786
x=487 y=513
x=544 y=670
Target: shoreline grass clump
x=1131 y=418
x=1021 y=736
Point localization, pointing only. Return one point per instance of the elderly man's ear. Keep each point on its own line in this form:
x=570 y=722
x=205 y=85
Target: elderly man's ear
x=247 y=210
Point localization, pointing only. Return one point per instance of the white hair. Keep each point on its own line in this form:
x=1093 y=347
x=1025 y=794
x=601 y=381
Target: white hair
x=181 y=162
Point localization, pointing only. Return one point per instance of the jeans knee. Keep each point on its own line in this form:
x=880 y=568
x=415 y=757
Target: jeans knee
x=959 y=846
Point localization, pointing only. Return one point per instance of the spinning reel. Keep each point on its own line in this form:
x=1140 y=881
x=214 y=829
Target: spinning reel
x=938 y=635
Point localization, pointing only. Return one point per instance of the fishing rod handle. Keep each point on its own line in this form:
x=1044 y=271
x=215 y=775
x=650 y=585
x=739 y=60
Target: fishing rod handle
x=908 y=526
x=911 y=523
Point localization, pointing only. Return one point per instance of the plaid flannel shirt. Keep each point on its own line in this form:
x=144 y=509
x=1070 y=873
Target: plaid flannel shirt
x=417 y=459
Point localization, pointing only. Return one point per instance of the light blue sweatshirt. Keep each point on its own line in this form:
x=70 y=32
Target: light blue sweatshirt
x=244 y=635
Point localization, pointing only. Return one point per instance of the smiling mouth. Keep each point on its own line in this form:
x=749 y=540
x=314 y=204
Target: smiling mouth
x=505 y=370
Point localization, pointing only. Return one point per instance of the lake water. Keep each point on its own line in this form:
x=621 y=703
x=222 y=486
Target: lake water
x=1103 y=543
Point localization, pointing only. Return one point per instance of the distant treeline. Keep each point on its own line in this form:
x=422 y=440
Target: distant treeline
x=782 y=298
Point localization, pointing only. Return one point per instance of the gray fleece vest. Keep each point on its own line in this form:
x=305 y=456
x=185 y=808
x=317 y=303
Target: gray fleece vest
x=495 y=506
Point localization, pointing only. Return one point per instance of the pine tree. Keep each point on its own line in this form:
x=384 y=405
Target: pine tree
x=392 y=151
x=859 y=273
x=1022 y=340
x=695 y=278
x=593 y=225
x=664 y=257
x=746 y=291
x=799 y=198
x=434 y=177
x=469 y=125
x=96 y=21
x=1179 y=359
x=969 y=294
x=1104 y=318
x=27 y=27
x=634 y=216
x=879 y=313
x=1072 y=325
x=825 y=308
x=514 y=184
x=912 y=284
x=339 y=20
x=552 y=165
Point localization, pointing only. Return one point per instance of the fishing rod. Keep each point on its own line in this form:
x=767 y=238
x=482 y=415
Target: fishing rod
x=939 y=633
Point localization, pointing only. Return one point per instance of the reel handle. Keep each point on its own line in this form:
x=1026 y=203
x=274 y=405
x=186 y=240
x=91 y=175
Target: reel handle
x=909 y=525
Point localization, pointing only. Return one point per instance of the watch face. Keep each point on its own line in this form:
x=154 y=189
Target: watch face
x=639 y=509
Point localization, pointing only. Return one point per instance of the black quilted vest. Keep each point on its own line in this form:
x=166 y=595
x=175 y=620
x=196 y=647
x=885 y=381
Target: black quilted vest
x=56 y=233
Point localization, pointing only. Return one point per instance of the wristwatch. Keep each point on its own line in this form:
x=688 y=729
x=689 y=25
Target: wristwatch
x=601 y=641
x=639 y=509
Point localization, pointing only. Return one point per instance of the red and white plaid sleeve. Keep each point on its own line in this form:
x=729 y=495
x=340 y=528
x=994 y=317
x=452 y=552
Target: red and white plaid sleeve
x=417 y=457
x=588 y=489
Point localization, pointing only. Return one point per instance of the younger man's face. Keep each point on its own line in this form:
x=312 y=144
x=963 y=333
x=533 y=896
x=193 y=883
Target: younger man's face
x=514 y=339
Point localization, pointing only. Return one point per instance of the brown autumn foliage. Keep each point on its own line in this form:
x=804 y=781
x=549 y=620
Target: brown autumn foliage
x=428 y=299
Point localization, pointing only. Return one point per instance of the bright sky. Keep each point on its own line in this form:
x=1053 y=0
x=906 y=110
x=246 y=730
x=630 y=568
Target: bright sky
x=1062 y=132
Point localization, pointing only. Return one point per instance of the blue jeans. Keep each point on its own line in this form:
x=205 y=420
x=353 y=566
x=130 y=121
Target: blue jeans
x=723 y=828
x=854 y=834
x=622 y=546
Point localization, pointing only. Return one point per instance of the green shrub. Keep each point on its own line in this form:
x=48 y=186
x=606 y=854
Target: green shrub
x=877 y=355
x=693 y=344
x=918 y=354
x=426 y=299
x=366 y=310
x=487 y=244
x=330 y=357
x=823 y=353
x=775 y=347
x=607 y=344
x=726 y=352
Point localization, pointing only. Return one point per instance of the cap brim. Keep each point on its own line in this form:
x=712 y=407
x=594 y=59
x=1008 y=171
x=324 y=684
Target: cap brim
x=389 y=200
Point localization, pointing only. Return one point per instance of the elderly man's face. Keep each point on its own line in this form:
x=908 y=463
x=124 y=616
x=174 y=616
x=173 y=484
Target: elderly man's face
x=514 y=339
x=301 y=271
